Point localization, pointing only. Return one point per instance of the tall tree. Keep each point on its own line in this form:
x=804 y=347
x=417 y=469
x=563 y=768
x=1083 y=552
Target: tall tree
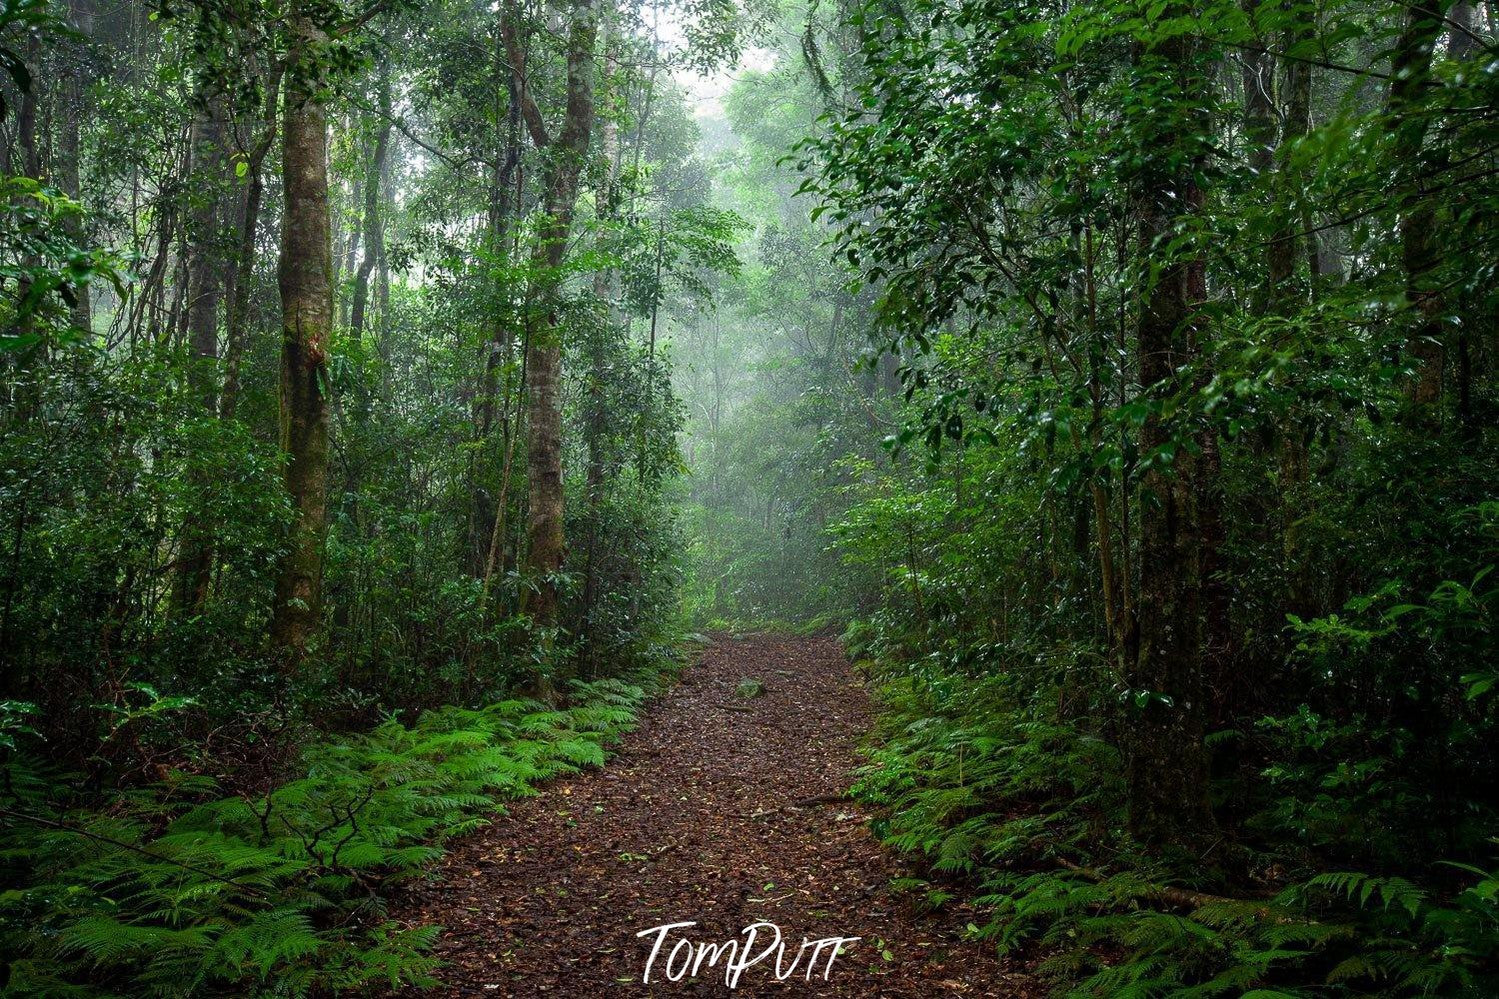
x=1410 y=72
x=594 y=429
x=205 y=271
x=73 y=115
x=565 y=155
x=486 y=515
x=241 y=278
x=1168 y=765
x=306 y=281
x=374 y=193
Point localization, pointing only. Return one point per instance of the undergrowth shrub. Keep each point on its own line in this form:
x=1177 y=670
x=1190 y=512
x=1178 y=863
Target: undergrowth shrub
x=1023 y=814
x=178 y=890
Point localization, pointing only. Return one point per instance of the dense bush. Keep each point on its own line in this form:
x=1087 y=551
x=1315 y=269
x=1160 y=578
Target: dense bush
x=1357 y=852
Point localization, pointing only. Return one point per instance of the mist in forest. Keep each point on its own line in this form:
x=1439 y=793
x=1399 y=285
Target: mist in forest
x=440 y=442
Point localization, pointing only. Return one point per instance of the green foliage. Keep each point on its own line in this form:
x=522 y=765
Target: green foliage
x=41 y=257
x=173 y=891
x=16 y=18
x=984 y=791
x=997 y=765
x=143 y=482
x=962 y=763
x=1016 y=188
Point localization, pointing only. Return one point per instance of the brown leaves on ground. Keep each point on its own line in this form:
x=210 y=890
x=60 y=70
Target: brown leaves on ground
x=696 y=819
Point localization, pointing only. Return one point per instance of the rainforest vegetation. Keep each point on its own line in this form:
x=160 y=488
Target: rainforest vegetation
x=390 y=391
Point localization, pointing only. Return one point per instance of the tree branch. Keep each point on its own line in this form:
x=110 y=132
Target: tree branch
x=517 y=56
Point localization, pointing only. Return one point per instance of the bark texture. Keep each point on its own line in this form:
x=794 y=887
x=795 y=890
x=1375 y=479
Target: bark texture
x=564 y=164
x=205 y=275
x=306 y=282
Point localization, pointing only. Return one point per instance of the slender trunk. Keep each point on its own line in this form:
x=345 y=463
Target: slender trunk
x=596 y=429
x=374 y=233
x=497 y=535
x=1282 y=266
x=205 y=273
x=1281 y=254
x=31 y=161
x=26 y=397
x=204 y=268
x=236 y=321
x=1097 y=348
x=498 y=347
x=70 y=157
x=1463 y=43
x=236 y=325
x=306 y=281
x=373 y=244
x=650 y=355
x=1259 y=104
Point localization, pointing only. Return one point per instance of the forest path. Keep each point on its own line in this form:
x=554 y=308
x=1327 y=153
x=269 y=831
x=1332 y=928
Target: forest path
x=547 y=901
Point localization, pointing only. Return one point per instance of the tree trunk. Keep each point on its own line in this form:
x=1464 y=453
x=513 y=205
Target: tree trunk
x=204 y=268
x=544 y=528
x=1259 y=103
x=31 y=162
x=204 y=274
x=374 y=231
x=1410 y=69
x=1282 y=267
x=242 y=274
x=306 y=281
x=1168 y=773
x=596 y=427
x=81 y=16
x=484 y=513
x=1463 y=43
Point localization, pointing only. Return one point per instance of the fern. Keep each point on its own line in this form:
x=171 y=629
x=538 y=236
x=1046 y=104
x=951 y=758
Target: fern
x=975 y=784
x=158 y=897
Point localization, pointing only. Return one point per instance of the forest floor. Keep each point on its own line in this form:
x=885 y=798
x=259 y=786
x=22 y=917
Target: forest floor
x=697 y=818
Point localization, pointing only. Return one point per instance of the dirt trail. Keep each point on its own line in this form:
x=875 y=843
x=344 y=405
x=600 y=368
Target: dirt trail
x=691 y=822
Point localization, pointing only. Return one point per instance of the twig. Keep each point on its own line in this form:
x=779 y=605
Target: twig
x=816 y=799
x=100 y=837
x=1187 y=899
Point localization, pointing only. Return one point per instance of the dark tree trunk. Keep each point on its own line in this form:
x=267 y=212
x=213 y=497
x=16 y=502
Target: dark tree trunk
x=31 y=155
x=1168 y=773
x=498 y=348
x=1410 y=70
x=242 y=280
x=596 y=426
x=70 y=154
x=204 y=265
